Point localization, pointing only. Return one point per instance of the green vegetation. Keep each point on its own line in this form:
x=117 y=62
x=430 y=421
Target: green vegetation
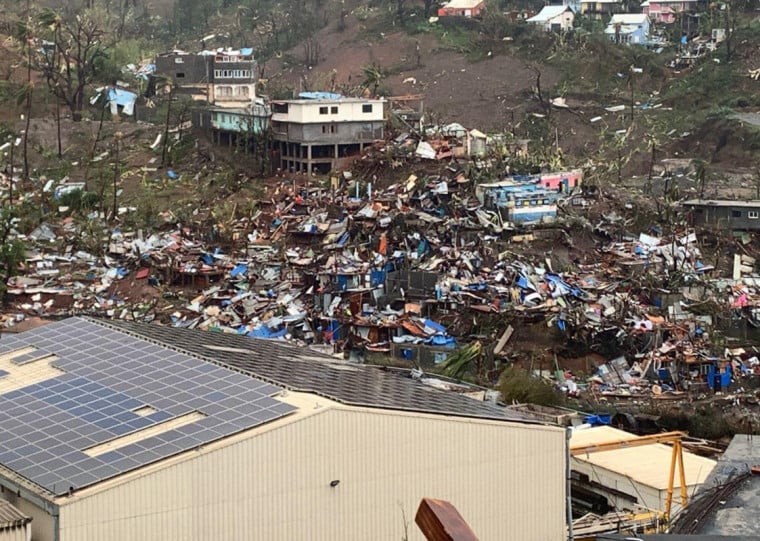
x=517 y=385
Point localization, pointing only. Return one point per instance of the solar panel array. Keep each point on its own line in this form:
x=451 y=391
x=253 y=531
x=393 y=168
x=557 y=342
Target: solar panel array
x=304 y=370
x=107 y=376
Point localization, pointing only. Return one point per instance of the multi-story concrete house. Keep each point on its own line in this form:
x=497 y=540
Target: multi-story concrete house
x=225 y=78
x=313 y=132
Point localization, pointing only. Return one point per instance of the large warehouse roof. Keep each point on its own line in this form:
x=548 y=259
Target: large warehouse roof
x=81 y=403
x=300 y=369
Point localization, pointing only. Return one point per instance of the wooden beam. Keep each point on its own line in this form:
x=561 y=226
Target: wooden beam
x=439 y=520
x=665 y=437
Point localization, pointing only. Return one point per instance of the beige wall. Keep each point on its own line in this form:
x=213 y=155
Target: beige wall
x=506 y=480
x=18 y=533
x=42 y=522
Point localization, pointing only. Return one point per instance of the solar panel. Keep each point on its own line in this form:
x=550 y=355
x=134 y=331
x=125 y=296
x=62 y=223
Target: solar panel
x=47 y=427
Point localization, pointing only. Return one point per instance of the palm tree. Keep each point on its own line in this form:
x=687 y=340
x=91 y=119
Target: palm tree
x=373 y=76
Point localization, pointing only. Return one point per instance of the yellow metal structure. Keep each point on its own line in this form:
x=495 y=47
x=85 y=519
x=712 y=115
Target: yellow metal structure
x=673 y=438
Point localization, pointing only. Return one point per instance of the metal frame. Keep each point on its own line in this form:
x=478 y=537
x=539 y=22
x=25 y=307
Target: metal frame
x=676 y=459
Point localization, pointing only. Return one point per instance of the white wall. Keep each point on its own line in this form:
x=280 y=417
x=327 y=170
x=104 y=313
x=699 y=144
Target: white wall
x=234 y=92
x=648 y=497
x=347 y=111
x=507 y=480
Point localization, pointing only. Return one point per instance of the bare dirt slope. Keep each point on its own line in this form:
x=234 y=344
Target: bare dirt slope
x=475 y=94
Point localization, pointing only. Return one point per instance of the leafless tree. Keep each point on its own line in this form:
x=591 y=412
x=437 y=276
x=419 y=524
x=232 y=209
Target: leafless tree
x=70 y=63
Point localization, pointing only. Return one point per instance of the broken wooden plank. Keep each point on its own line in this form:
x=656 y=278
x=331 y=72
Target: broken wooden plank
x=506 y=335
x=439 y=520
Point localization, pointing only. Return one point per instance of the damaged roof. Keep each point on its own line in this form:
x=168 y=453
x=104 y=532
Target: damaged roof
x=10 y=517
x=300 y=369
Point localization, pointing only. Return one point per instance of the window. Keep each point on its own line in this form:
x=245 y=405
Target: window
x=323 y=110
x=180 y=75
x=281 y=108
x=367 y=108
x=752 y=215
x=334 y=110
x=736 y=214
x=179 y=60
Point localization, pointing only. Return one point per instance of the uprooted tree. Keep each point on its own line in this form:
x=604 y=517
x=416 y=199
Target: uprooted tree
x=70 y=55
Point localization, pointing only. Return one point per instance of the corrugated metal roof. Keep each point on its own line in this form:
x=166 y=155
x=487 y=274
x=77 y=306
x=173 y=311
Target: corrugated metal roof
x=10 y=517
x=547 y=13
x=463 y=4
x=629 y=18
x=305 y=370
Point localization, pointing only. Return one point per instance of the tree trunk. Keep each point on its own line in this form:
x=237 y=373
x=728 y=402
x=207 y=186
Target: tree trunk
x=166 y=127
x=58 y=125
x=10 y=192
x=28 y=108
x=94 y=147
x=26 y=132
x=116 y=174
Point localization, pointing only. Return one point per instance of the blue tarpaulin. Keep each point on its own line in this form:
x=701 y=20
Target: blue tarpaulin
x=376 y=278
x=266 y=332
x=319 y=96
x=597 y=420
x=122 y=98
x=239 y=269
x=441 y=340
x=437 y=327
x=342 y=282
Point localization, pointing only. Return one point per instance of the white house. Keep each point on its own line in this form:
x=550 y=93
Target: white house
x=554 y=18
x=630 y=28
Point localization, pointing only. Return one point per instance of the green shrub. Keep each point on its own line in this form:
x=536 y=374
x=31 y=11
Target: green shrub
x=517 y=385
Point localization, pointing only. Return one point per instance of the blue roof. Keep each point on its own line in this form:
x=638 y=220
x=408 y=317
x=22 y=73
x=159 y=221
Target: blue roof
x=112 y=384
x=319 y=96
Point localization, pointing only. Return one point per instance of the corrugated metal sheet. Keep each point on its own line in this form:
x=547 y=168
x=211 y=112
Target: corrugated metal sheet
x=41 y=523
x=10 y=516
x=16 y=533
x=507 y=480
